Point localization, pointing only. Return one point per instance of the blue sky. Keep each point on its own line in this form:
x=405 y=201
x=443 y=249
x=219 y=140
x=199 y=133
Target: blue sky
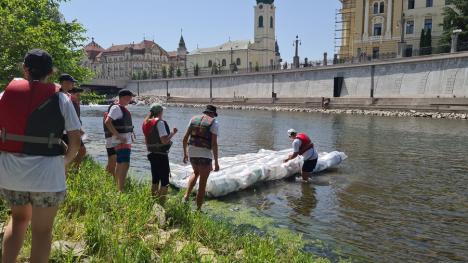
x=205 y=23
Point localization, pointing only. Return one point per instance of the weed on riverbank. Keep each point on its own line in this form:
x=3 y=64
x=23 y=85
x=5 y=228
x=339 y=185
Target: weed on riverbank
x=101 y=225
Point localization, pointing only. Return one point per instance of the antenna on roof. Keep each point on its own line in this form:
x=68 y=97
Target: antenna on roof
x=229 y=38
x=144 y=36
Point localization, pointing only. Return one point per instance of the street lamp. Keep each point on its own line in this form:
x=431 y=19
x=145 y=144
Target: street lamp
x=455 y=34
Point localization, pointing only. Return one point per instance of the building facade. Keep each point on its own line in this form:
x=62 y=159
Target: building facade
x=388 y=28
x=262 y=52
x=144 y=60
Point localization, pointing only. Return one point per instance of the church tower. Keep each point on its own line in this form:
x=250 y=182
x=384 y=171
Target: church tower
x=265 y=27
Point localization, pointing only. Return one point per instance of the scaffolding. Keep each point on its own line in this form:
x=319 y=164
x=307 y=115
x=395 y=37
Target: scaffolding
x=344 y=29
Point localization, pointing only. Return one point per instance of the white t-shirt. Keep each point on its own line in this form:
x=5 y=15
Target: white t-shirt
x=161 y=129
x=308 y=155
x=116 y=113
x=21 y=172
x=200 y=152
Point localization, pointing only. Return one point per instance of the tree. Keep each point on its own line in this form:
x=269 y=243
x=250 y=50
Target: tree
x=425 y=42
x=145 y=75
x=171 y=71
x=139 y=75
x=257 y=68
x=196 y=71
x=178 y=72
x=28 y=24
x=455 y=17
x=134 y=76
x=164 y=72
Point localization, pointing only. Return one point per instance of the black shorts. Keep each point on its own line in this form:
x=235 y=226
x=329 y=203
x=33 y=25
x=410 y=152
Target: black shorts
x=198 y=161
x=160 y=169
x=65 y=140
x=309 y=166
x=111 y=151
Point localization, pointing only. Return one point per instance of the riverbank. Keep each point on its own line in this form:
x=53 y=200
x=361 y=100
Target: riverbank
x=97 y=224
x=148 y=100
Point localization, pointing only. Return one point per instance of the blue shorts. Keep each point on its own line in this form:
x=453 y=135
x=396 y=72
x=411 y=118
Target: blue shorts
x=123 y=155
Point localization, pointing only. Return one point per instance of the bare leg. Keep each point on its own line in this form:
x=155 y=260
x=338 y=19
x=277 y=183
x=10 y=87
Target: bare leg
x=121 y=175
x=111 y=164
x=15 y=232
x=204 y=173
x=305 y=176
x=41 y=226
x=154 y=190
x=80 y=157
x=162 y=193
x=192 y=181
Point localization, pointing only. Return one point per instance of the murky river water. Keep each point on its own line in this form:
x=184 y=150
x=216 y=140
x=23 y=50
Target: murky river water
x=402 y=196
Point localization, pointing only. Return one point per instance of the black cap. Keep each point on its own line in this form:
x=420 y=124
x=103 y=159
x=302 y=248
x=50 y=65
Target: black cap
x=39 y=60
x=126 y=92
x=76 y=90
x=211 y=109
x=66 y=77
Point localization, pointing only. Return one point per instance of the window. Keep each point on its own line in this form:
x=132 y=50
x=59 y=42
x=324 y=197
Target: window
x=409 y=27
x=271 y=22
x=382 y=7
x=409 y=51
x=428 y=24
x=223 y=63
x=260 y=21
x=238 y=61
x=210 y=63
x=410 y=4
x=375 y=52
x=429 y=3
x=377 y=29
x=376 y=8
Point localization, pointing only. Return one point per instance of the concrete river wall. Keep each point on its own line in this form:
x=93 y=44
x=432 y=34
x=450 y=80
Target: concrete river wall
x=427 y=80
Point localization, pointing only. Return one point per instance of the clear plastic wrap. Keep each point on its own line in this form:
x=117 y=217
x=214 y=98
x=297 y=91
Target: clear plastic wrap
x=242 y=171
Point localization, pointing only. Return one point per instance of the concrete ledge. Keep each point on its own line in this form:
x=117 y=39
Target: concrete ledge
x=397 y=104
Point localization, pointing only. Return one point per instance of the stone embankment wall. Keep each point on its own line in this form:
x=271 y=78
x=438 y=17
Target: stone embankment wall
x=441 y=76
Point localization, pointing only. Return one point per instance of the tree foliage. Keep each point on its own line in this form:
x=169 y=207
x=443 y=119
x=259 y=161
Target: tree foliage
x=164 y=72
x=455 y=17
x=28 y=24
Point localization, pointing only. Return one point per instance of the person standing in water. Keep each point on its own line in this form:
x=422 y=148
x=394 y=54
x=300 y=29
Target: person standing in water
x=201 y=145
x=158 y=142
x=302 y=145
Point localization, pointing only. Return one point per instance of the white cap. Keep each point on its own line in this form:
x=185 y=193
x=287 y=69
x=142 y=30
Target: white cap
x=291 y=131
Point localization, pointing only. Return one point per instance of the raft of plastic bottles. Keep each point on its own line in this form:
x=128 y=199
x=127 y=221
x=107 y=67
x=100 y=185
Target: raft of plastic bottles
x=243 y=171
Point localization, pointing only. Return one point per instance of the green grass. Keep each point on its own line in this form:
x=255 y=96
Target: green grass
x=115 y=228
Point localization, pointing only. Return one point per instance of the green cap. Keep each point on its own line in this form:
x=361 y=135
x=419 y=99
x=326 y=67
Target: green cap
x=156 y=108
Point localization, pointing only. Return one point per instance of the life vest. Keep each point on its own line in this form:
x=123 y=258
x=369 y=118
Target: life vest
x=306 y=143
x=122 y=125
x=31 y=121
x=76 y=105
x=200 y=134
x=153 y=139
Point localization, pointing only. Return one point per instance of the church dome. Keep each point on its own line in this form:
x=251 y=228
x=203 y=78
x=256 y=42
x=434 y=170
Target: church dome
x=269 y=2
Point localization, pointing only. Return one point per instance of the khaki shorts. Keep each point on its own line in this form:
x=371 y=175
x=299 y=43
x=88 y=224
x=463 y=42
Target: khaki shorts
x=41 y=199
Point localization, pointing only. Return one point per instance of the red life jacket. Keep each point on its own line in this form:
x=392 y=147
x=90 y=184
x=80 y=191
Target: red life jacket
x=31 y=121
x=153 y=139
x=200 y=131
x=306 y=143
x=122 y=125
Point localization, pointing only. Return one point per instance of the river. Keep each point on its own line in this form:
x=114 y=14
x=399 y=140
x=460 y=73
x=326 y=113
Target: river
x=401 y=196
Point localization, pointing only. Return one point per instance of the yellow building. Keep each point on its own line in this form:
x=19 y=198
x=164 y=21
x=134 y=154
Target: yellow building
x=372 y=28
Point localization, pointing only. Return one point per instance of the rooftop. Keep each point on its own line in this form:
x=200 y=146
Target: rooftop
x=234 y=45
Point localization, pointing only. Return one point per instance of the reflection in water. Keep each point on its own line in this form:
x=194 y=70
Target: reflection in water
x=305 y=203
x=400 y=197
